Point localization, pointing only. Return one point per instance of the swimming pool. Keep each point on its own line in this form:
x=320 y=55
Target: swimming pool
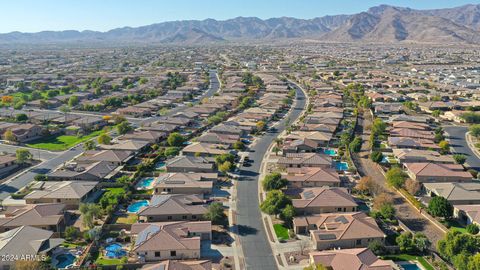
x=329 y=152
x=410 y=266
x=115 y=250
x=64 y=260
x=145 y=183
x=160 y=165
x=341 y=166
x=135 y=207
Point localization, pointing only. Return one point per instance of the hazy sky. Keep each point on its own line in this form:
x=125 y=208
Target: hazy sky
x=102 y=15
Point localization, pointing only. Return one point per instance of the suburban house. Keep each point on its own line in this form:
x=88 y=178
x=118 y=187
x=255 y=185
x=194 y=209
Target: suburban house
x=70 y=193
x=435 y=172
x=412 y=143
x=7 y=163
x=27 y=242
x=312 y=177
x=189 y=164
x=149 y=136
x=299 y=160
x=324 y=200
x=351 y=259
x=173 y=207
x=93 y=171
x=339 y=230
x=205 y=149
x=455 y=193
x=170 y=240
x=416 y=156
x=48 y=216
x=467 y=213
x=184 y=183
x=25 y=132
x=299 y=146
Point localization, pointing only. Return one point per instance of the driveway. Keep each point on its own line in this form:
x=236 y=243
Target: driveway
x=458 y=143
x=253 y=238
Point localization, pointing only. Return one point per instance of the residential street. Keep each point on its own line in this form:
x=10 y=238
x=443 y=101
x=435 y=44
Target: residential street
x=253 y=238
x=458 y=143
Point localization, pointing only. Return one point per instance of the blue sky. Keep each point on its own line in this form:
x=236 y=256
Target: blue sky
x=102 y=15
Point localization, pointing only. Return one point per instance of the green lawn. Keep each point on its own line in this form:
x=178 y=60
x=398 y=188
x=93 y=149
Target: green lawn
x=281 y=231
x=407 y=257
x=61 y=142
x=454 y=225
x=107 y=261
x=115 y=191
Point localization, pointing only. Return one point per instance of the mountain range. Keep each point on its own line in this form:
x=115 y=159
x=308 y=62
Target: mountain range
x=380 y=24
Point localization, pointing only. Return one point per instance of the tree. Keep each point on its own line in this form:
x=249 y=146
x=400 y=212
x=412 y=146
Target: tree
x=73 y=101
x=171 y=151
x=472 y=229
x=40 y=177
x=405 y=242
x=376 y=156
x=444 y=145
x=382 y=199
x=216 y=214
x=21 y=117
x=387 y=211
x=377 y=247
x=396 y=177
x=274 y=202
x=459 y=158
x=9 y=136
x=175 y=139
x=436 y=113
x=460 y=261
x=260 y=125
x=475 y=130
x=225 y=167
x=276 y=149
x=440 y=207
x=238 y=145
x=356 y=145
x=365 y=185
x=455 y=243
x=124 y=127
x=412 y=186
x=474 y=262
x=72 y=233
x=89 y=145
x=274 y=181
x=288 y=213
x=23 y=155
x=104 y=139
x=317 y=266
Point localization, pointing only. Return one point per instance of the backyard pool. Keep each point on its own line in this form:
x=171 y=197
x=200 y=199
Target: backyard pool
x=64 y=260
x=329 y=152
x=341 y=166
x=115 y=250
x=145 y=183
x=410 y=266
x=135 y=207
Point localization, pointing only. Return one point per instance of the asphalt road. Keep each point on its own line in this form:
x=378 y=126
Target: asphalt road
x=458 y=143
x=16 y=183
x=253 y=238
x=37 y=153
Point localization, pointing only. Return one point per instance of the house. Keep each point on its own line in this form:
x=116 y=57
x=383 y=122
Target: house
x=114 y=157
x=412 y=143
x=467 y=213
x=88 y=123
x=170 y=240
x=26 y=242
x=94 y=171
x=299 y=146
x=305 y=160
x=229 y=129
x=455 y=193
x=205 y=149
x=135 y=111
x=416 y=155
x=70 y=193
x=127 y=145
x=25 y=132
x=324 y=200
x=189 y=164
x=173 y=207
x=184 y=183
x=48 y=216
x=426 y=172
x=180 y=265
x=149 y=136
x=339 y=230
x=7 y=163
x=351 y=259
x=311 y=177
x=218 y=138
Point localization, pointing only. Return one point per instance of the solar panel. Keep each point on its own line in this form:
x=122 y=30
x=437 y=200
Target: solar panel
x=308 y=195
x=341 y=219
x=145 y=234
x=159 y=199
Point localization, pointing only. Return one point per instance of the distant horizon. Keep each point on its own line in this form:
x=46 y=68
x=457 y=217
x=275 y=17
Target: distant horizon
x=30 y=16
